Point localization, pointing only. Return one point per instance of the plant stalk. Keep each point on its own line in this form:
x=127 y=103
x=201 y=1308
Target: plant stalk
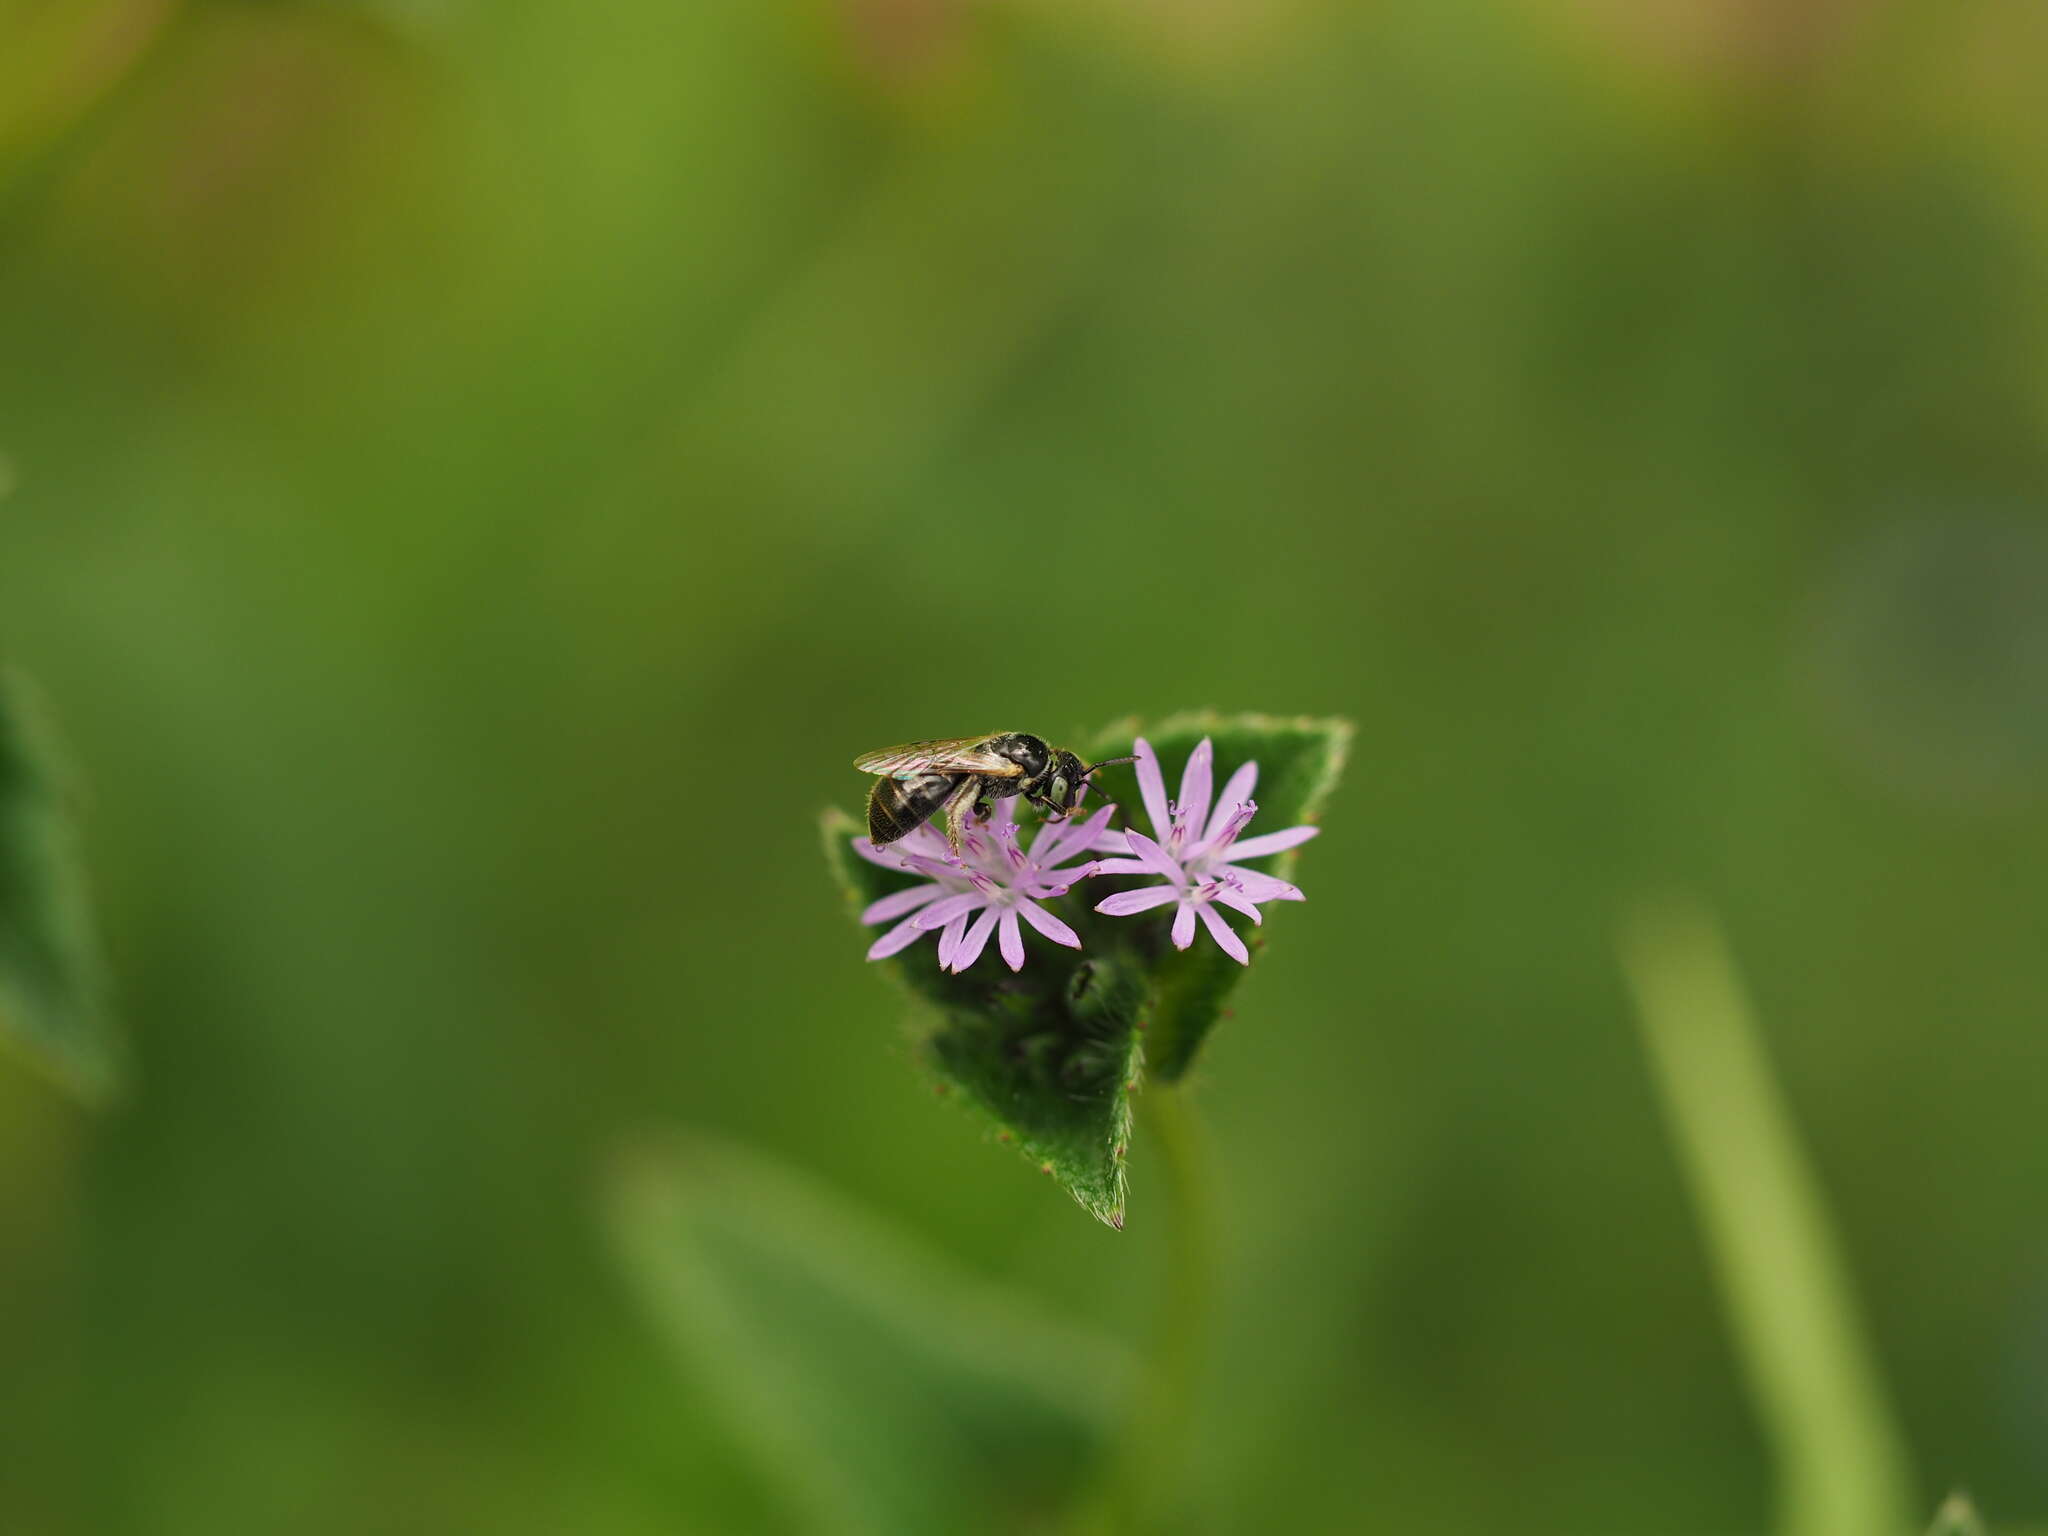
x=1148 y=1466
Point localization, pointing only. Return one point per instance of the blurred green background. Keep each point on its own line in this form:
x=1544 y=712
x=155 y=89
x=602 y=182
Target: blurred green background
x=473 y=474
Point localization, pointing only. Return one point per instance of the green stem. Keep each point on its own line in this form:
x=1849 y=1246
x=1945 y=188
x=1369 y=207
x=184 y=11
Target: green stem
x=1148 y=1465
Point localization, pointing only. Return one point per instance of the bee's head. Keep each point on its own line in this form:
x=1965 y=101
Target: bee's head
x=1065 y=777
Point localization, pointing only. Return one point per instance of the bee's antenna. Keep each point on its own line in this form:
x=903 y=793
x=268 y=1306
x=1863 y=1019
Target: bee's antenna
x=1107 y=762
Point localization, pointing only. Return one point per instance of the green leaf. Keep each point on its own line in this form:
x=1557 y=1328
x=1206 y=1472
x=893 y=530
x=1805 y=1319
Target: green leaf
x=1299 y=762
x=1050 y=1054
x=882 y=1389
x=53 y=992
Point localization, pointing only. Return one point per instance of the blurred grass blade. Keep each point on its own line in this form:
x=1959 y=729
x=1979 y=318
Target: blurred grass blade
x=1840 y=1457
x=884 y=1390
x=53 y=990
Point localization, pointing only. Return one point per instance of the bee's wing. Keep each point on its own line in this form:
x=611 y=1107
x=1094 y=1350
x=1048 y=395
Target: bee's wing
x=962 y=754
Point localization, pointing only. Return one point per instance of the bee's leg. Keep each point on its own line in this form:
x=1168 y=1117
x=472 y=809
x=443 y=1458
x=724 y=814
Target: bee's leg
x=959 y=807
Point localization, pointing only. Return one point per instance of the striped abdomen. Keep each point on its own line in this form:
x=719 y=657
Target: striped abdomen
x=900 y=806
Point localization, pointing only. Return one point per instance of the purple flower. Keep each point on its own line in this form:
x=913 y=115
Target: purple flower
x=995 y=881
x=1194 y=851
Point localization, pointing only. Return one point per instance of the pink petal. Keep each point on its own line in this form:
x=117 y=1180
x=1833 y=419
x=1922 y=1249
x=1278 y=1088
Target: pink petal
x=1057 y=882
x=1049 y=925
x=900 y=902
x=1051 y=842
x=1238 y=902
x=1195 y=781
x=1152 y=786
x=1184 y=926
x=942 y=869
x=1124 y=866
x=1238 y=788
x=969 y=949
x=1271 y=842
x=890 y=857
x=1154 y=855
x=949 y=940
x=1226 y=940
x=1124 y=903
x=1010 y=941
x=902 y=936
x=953 y=908
x=1258 y=887
x=926 y=842
x=1056 y=840
x=1234 y=821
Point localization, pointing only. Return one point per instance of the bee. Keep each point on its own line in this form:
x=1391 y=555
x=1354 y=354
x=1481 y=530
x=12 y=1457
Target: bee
x=961 y=776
